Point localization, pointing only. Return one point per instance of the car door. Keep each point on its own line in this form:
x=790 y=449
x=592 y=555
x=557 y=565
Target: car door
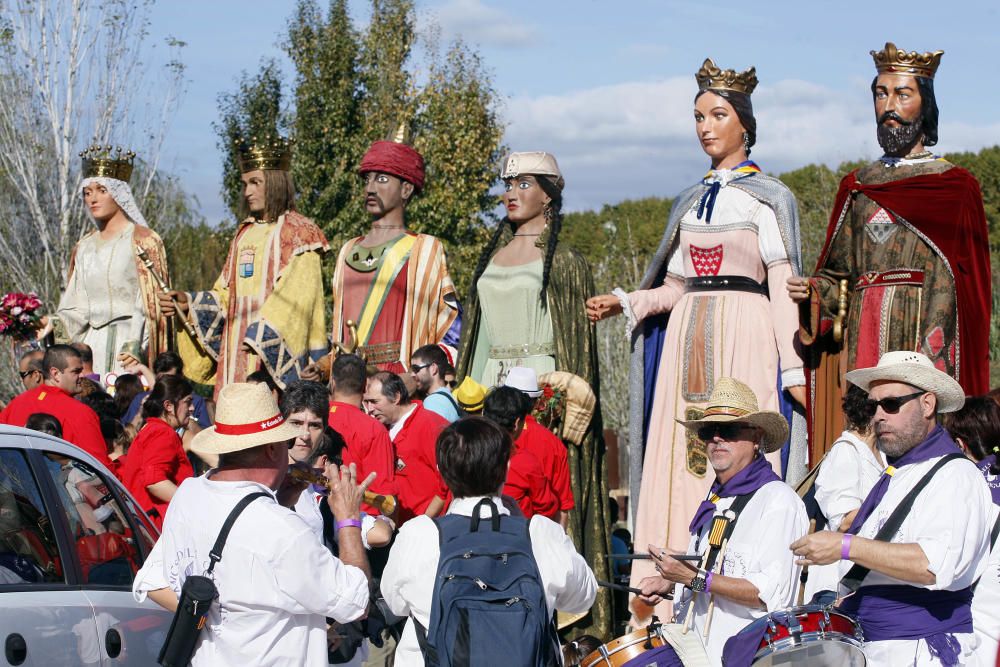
x=44 y=619
x=111 y=539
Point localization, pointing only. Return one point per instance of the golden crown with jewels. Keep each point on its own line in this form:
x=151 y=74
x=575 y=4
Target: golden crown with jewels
x=100 y=161
x=711 y=77
x=264 y=153
x=891 y=60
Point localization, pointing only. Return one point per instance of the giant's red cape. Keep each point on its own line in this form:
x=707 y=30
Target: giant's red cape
x=947 y=208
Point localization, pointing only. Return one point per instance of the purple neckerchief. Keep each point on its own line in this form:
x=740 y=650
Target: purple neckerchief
x=662 y=656
x=992 y=480
x=748 y=480
x=938 y=443
x=911 y=612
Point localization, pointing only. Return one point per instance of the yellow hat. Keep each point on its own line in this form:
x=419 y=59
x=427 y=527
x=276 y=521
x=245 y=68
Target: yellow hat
x=470 y=395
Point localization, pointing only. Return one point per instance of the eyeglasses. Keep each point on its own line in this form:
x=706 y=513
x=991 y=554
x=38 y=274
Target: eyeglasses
x=416 y=368
x=26 y=373
x=892 y=404
x=726 y=430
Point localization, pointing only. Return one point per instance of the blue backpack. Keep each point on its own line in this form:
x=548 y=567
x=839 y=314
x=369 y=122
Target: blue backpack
x=489 y=605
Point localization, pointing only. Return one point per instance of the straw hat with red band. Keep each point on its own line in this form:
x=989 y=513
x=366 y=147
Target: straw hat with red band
x=733 y=401
x=247 y=416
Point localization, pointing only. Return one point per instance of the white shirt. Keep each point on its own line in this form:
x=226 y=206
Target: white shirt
x=277 y=583
x=758 y=552
x=408 y=579
x=848 y=472
x=986 y=606
x=949 y=520
x=398 y=426
x=307 y=507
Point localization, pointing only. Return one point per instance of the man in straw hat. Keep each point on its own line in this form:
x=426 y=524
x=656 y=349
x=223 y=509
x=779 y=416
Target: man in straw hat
x=742 y=528
x=914 y=605
x=277 y=583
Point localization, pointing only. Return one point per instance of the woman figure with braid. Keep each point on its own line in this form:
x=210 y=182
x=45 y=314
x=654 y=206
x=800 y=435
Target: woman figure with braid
x=710 y=305
x=526 y=308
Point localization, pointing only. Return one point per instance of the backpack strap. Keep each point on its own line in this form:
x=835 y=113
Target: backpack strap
x=995 y=533
x=494 y=515
x=852 y=580
x=447 y=394
x=714 y=550
x=215 y=555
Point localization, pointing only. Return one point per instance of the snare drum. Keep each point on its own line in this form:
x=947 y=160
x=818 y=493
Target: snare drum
x=618 y=652
x=812 y=635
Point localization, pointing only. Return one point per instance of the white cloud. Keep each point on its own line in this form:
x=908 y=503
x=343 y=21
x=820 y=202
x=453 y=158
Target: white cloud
x=637 y=139
x=478 y=23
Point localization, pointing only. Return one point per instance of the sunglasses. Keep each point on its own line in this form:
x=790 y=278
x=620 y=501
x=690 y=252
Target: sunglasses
x=892 y=404
x=25 y=374
x=726 y=431
x=416 y=368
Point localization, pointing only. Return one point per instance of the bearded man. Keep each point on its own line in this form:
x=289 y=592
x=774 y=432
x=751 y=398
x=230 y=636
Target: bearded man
x=906 y=264
x=265 y=311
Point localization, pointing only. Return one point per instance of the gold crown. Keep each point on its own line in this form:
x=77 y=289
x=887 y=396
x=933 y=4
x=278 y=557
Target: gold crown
x=97 y=161
x=710 y=76
x=892 y=60
x=264 y=153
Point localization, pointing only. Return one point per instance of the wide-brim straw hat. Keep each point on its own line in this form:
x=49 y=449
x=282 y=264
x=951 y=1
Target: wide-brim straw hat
x=914 y=369
x=246 y=416
x=733 y=401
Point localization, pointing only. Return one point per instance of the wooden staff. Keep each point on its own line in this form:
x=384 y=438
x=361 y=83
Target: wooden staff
x=165 y=288
x=384 y=503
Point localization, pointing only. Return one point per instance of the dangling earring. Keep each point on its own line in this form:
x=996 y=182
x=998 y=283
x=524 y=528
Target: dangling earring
x=746 y=142
x=547 y=213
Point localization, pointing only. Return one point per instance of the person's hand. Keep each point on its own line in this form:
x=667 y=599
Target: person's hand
x=821 y=548
x=311 y=373
x=602 y=307
x=848 y=519
x=798 y=394
x=655 y=590
x=345 y=491
x=166 y=302
x=675 y=571
x=798 y=288
x=48 y=324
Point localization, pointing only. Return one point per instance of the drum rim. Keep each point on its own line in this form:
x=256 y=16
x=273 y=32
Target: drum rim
x=795 y=641
x=602 y=655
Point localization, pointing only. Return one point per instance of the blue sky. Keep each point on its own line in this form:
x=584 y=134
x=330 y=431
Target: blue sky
x=607 y=87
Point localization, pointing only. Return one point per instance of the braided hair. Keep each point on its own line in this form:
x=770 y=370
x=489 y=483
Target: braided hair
x=553 y=220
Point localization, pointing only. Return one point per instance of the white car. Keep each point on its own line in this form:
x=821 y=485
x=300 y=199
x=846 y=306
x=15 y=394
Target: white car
x=71 y=540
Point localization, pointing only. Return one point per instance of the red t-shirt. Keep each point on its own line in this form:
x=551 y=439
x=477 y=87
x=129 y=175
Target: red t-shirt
x=551 y=453
x=368 y=447
x=80 y=424
x=156 y=455
x=417 y=476
x=527 y=485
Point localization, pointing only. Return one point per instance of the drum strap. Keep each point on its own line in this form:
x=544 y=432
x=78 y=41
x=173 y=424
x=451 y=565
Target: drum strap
x=852 y=580
x=715 y=545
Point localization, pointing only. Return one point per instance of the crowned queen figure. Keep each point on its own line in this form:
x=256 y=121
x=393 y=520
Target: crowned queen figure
x=110 y=297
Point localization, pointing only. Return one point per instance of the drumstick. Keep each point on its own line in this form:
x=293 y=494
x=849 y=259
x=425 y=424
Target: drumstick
x=711 y=598
x=691 y=557
x=629 y=589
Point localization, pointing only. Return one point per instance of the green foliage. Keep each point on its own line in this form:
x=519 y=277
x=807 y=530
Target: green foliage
x=253 y=111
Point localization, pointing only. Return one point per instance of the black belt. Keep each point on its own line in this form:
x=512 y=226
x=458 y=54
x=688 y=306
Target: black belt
x=727 y=283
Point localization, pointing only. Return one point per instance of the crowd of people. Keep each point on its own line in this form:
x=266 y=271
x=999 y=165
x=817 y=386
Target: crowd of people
x=431 y=470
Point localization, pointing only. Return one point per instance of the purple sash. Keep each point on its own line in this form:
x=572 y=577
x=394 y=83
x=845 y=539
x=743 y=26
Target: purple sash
x=662 y=656
x=748 y=480
x=938 y=443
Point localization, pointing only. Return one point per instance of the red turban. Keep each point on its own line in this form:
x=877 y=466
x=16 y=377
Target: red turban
x=397 y=159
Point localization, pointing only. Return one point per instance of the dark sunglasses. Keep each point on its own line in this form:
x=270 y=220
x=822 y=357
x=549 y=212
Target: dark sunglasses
x=416 y=368
x=25 y=374
x=726 y=431
x=892 y=404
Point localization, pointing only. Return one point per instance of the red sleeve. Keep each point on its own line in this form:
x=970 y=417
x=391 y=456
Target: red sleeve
x=516 y=487
x=159 y=460
x=543 y=500
x=84 y=431
x=560 y=481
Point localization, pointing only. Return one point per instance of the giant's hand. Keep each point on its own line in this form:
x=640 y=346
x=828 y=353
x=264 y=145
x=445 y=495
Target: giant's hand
x=166 y=302
x=602 y=307
x=798 y=288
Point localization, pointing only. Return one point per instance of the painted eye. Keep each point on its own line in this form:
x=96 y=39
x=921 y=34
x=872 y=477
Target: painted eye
x=524 y=185
x=507 y=187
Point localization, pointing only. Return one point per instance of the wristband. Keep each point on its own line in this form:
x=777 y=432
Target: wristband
x=845 y=546
x=708 y=582
x=348 y=523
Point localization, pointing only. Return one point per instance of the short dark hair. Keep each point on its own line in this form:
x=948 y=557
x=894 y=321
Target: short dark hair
x=472 y=455
x=332 y=445
x=977 y=424
x=928 y=108
x=127 y=387
x=168 y=361
x=58 y=357
x=744 y=111
x=305 y=395
x=349 y=373
x=102 y=403
x=393 y=386
x=167 y=388
x=505 y=405
x=43 y=422
x=86 y=352
x=261 y=376
x=858 y=411
x=433 y=354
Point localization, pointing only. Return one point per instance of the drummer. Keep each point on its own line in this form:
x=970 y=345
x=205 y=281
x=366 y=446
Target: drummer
x=914 y=605
x=760 y=573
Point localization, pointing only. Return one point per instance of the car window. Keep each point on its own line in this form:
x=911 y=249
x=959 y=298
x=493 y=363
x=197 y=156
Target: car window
x=101 y=534
x=28 y=550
